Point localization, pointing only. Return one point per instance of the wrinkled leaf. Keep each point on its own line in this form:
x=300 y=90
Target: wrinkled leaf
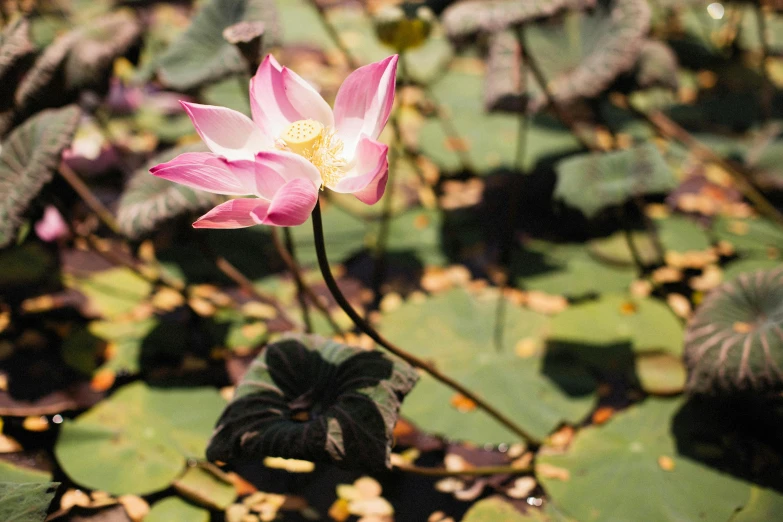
x=735 y=340
x=312 y=399
x=148 y=200
x=28 y=159
x=587 y=51
x=15 y=45
x=594 y=181
x=25 y=502
x=504 y=83
x=201 y=55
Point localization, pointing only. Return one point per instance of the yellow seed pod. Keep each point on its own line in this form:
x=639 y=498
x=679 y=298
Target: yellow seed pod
x=403 y=26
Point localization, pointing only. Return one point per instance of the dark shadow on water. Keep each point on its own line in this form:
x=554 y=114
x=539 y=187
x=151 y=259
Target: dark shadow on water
x=740 y=436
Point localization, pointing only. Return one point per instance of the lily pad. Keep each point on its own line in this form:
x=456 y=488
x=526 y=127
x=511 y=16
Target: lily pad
x=203 y=486
x=10 y=472
x=594 y=181
x=148 y=200
x=312 y=399
x=646 y=324
x=139 y=439
x=764 y=504
x=112 y=292
x=735 y=340
x=173 y=509
x=455 y=330
x=494 y=509
x=29 y=157
x=25 y=502
x=753 y=237
x=660 y=373
x=637 y=453
x=566 y=269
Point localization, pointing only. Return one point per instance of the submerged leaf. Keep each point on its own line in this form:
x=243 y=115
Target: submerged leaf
x=201 y=55
x=594 y=181
x=313 y=399
x=149 y=200
x=29 y=157
x=735 y=340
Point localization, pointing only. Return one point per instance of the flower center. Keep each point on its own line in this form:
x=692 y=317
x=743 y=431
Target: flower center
x=317 y=144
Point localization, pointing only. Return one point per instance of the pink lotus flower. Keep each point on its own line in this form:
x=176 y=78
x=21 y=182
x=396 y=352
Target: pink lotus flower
x=51 y=226
x=294 y=146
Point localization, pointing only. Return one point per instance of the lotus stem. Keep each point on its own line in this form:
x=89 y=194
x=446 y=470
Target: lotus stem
x=411 y=359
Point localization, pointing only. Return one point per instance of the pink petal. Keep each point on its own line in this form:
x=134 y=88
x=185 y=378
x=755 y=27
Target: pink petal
x=202 y=171
x=274 y=168
x=227 y=132
x=51 y=226
x=367 y=179
x=236 y=213
x=364 y=102
x=279 y=96
x=291 y=206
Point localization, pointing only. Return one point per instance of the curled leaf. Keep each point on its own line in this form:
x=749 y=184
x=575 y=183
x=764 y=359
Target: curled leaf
x=313 y=399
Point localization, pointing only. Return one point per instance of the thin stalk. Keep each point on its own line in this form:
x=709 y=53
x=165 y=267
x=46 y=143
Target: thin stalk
x=669 y=129
x=628 y=235
x=507 y=237
x=334 y=35
x=767 y=90
x=296 y=272
x=298 y=280
x=481 y=471
x=84 y=192
x=379 y=268
x=450 y=130
x=411 y=359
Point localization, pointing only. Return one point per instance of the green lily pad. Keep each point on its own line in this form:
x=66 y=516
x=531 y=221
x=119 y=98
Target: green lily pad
x=455 y=330
x=204 y=487
x=173 y=509
x=112 y=292
x=660 y=373
x=29 y=157
x=490 y=140
x=735 y=340
x=313 y=399
x=594 y=181
x=566 y=269
x=495 y=509
x=607 y=332
x=127 y=338
x=139 y=439
x=750 y=237
x=10 y=472
x=25 y=502
x=764 y=504
x=636 y=456
x=614 y=249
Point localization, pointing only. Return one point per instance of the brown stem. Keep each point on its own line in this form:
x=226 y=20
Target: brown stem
x=411 y=359
x=334 y=35
x=296 y=273
x=84 y=192
x=669 y=129
x=480 y=471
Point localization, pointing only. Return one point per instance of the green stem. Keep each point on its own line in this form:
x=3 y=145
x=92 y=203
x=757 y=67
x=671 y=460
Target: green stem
x=480 y=471
x=365 y=327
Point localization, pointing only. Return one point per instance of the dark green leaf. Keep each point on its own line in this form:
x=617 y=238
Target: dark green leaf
x=25 y=502
x=29 y=156
x=313 y=399
x=735 y=340
x=201 y=55
x=149 y=200
x=594 y=181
